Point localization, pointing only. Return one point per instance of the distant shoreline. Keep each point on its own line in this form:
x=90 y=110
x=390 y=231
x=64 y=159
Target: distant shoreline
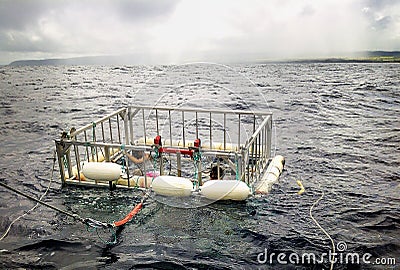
x=343 y=60
x=361 y=57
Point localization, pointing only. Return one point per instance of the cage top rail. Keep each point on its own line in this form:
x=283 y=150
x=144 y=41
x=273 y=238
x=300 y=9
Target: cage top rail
x=202 y=110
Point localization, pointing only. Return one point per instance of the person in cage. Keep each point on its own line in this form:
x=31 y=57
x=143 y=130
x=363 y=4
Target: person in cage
x=138 y=158
x=214 y=173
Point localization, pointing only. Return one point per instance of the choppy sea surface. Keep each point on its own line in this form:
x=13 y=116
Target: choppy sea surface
x=337 y=125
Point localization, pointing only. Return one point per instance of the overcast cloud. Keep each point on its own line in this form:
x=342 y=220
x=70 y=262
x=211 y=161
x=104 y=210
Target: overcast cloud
x=190 y=30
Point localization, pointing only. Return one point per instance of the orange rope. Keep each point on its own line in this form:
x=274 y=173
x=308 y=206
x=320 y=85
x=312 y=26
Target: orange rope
x=129 y=216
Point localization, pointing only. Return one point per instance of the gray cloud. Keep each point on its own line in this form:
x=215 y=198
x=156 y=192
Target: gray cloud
x=17 y=14
x=78 y=27
x=384 y=22
x=377 y=5
x=383 y=15
x=307 y=10
x=192 y=29
x=144 y=10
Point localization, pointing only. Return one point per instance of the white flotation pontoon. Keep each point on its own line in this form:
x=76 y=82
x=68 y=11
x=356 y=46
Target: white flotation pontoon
x=225 y=190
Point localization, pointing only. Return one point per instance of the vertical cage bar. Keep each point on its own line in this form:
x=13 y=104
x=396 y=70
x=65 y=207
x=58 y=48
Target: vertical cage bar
x=126 y=127
x=131 y=138
x=170 y=128
x=269 y=136
x=224 y=131
x=111 y=135
x=158 y=131
x=239 y=131
x=59 y=150
x=211 y=131
x=87 y=148
x=144 y=127
x=78 y=162
x=197 y=126
x=94 y=139
x=119 y=130
x=179 y=163
x=102 y=132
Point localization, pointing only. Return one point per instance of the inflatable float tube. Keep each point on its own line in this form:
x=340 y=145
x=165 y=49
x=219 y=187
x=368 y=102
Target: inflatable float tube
x=172 y=186
x=225 y=190
x=135 y=181
x=271 y=175
x=74 y=174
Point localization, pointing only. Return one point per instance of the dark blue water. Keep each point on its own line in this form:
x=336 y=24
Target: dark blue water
x=338 y=126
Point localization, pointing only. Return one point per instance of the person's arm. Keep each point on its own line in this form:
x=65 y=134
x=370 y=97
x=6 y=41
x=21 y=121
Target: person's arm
x=134 y=159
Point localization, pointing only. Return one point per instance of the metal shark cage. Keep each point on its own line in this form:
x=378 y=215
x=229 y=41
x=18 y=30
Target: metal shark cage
x=239 y=140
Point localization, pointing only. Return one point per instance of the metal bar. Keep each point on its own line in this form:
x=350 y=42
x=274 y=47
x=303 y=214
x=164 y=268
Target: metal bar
x=258 y=154
x=199 y=174
x=87 y=149
x=218 y=174
x=210 y=131
x=179 y=163
x=264 y=145
x=254 y=123
x=144 y=169
x=158 y=131
x=144 y=127
x=127 y=167
x=130 y=125
x=126 y=127
x=239 y=132
x=172 y=150
x=197 y=126
x=269 y=136
x=78 y=162
x=160 y=158
x=68 y=159
x=102 y=132
x=95 y=140
x=119 y=130
x=224 y=131
x=60 y=150
x=111 y=134
x=106 y=153
x=201 y=110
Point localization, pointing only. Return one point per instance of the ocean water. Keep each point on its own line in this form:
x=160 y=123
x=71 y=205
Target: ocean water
x=337 y=125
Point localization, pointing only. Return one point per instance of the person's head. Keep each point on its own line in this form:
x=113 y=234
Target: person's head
x=214 y=173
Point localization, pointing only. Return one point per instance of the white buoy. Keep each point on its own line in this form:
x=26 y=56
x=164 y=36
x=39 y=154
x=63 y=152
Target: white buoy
x=271 y=175
x=225 y=190
x=172 y=186
x=101 y=171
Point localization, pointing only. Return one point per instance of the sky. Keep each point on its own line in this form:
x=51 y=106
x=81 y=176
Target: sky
x=176 y=31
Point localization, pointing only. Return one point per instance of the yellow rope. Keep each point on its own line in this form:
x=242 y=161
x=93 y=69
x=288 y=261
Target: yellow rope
x=322 y=229
x=302 y=189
